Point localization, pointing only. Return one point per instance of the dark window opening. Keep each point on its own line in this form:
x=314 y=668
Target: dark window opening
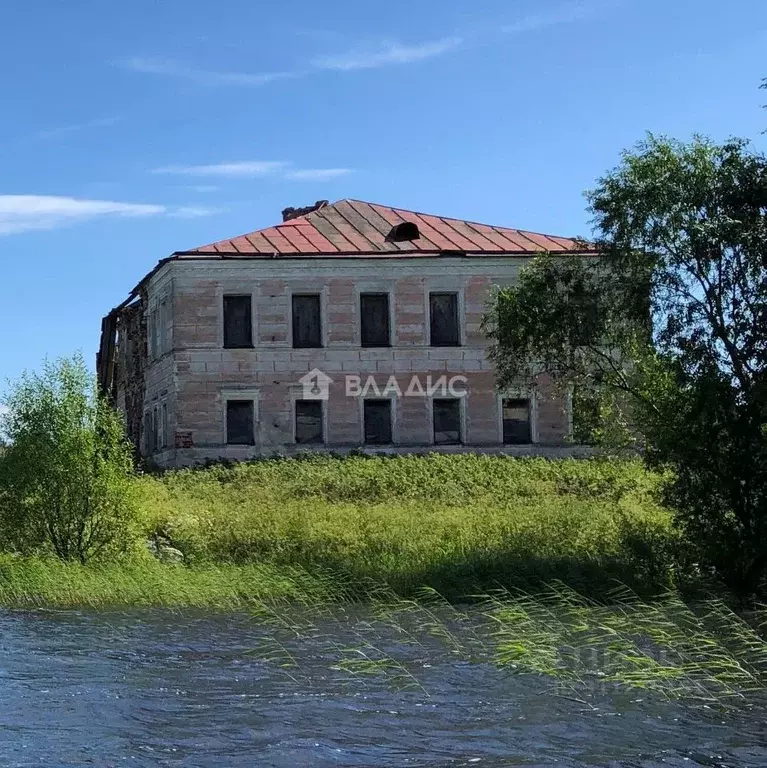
x=307 y=327
x=374 y=319
x=443 y=314
x=238 y=322
x=403 y=232
x=239 y=422
x=309 y=421
x=377 y=421
x=516 y=421
x=447 y=421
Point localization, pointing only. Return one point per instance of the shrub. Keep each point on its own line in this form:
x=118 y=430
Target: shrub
x=65 y=475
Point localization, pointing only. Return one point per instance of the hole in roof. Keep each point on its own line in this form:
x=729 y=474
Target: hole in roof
x=402 y=232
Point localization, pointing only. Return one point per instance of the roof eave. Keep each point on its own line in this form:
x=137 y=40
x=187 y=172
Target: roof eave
x=419 y=254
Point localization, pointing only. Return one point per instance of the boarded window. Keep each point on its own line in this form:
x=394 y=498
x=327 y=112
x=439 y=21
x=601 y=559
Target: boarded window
x=443 y=315
x=307 y=328
x=516 y=421
x=309 y=421
x=377 y=418
x=447 y=421
x=239 y=422
x=238 y=322
x=374 y=319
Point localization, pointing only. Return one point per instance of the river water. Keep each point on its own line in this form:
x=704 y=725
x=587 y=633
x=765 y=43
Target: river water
x=160 y=688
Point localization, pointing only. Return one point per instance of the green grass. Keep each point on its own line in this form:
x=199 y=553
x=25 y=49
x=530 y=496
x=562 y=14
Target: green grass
x=571 y=566
x=347 y=528
x=458 y=524
x=50 y=583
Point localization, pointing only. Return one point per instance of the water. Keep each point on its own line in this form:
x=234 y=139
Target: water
x=158 y=688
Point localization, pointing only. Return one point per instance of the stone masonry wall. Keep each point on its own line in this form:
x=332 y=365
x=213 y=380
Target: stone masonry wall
x=195 y=375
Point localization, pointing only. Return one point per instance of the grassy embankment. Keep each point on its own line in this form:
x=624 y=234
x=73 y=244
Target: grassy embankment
x=326 y=528
x=532 y=542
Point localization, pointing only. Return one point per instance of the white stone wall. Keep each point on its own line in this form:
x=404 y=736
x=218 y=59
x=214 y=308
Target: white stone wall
x=192 y=374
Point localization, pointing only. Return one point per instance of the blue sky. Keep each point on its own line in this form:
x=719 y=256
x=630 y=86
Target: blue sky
x=135 y=129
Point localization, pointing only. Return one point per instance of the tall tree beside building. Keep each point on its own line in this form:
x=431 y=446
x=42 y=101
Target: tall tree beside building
x=665 y=335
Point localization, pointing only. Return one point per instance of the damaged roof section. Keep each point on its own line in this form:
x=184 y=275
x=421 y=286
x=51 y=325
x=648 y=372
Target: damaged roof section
x=353 y=227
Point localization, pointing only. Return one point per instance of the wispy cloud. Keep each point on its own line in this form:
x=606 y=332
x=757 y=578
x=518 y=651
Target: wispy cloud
x=564 y=14
x=173 y=68
x=103 y=122
x=22 y=213
x=194 y=211
x=384 y=54
x=240 y=169
x=25 y=213
x=318 y=174
x=249 y=169
x=372 y=56
x=387 y=54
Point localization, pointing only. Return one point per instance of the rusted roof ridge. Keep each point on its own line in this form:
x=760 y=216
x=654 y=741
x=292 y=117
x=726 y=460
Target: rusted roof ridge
x=329 y=230
x=426 y=221
x=498 y=239
x=468 y=221
x=464 y=229
x=382 y=225
x=364 y=211
x=265 y=247
x=395 y=218
x=345 y=219
x=295 y=238
x=352 y=225
x=271 y=235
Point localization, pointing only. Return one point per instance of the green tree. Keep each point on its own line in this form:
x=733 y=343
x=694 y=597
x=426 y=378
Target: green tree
x=663 y=337
x=65 y=472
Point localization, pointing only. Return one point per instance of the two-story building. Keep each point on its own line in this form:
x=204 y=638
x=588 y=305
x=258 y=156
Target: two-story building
x=347 y=325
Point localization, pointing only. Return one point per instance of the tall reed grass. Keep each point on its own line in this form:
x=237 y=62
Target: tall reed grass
x=456 y=523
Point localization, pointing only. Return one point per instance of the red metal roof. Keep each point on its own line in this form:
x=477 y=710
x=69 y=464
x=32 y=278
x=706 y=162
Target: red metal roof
x=353 y=227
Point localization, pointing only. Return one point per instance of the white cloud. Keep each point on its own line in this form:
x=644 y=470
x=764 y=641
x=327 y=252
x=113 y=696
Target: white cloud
x=193 y=211
x=387 y=54
x=172 y=68
x=248 y=169
x=241 y=169
x=565 y=14
x=22 y=213
x=317 y=174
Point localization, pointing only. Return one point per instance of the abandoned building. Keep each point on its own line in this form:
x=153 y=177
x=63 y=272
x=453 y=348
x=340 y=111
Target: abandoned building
x=347 y=325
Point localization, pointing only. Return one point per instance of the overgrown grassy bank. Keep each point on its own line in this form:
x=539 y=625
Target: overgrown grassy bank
x=325 y=528
x=458 y=524
x=571 y=565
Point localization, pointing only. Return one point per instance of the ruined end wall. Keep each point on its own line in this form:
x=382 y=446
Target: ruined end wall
x=131 y=365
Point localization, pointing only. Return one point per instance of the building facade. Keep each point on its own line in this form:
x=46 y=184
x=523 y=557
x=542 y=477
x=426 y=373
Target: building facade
x=349 y=325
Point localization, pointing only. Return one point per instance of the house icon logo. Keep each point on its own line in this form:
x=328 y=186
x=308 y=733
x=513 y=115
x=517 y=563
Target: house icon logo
x=316 y=385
